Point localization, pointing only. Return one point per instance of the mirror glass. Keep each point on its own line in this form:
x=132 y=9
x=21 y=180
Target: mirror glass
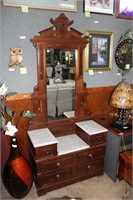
x=60 y=69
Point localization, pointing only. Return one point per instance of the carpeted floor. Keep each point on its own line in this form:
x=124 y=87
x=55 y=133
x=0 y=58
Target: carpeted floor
x=96 y=188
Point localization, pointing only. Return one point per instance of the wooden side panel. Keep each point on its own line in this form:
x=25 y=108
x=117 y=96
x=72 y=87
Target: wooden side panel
x=97 y=102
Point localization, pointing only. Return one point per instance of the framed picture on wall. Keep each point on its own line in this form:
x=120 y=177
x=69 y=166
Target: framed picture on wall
x=124 y=9
x=98 y=53
x=99 y=6
x=64 y=5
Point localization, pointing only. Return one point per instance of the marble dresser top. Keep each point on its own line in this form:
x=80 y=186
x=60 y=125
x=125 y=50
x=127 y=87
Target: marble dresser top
x=91 y=127
x=41 y=137
x=69 y=114
x=70 y=143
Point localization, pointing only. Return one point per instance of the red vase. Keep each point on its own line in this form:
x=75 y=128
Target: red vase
x=17 y=174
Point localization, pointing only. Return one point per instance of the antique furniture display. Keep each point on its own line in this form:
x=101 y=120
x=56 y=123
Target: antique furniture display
x=125 y=166
x=116 y=142
x=69 y=41
x=63 y=160
x=62 y=150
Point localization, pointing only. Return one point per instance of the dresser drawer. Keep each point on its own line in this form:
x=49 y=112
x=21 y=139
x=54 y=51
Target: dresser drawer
x=90 y=167
x=42 y=143
x=54 y=164
x=125 y=166
x=126 y=174
x=43 y=152
x=97 y=139
x=54 y=178
x=90 y=156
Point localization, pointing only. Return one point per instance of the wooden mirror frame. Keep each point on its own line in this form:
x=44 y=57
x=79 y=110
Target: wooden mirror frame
x=59 y=36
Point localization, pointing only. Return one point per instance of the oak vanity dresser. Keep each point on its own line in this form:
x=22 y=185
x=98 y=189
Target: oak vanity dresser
x=68 y=149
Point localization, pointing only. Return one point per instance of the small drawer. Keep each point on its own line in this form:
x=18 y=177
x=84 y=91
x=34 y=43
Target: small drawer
x=89 y=167
x=126 y=174
x=42 y=143
x=55 y=164
x=43 y=152
x=53 y=178
x=96 y=139
x=91 y=155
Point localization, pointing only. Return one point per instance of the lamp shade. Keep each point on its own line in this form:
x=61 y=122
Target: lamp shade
x=122 y=96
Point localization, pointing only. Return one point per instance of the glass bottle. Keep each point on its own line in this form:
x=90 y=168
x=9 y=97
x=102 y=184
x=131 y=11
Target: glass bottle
x=17 y=174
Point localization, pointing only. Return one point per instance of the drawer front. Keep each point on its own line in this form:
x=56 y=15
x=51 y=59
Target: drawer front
x=55 y=164
x=91 y=155
x=126 y=163
x=43 y=151
x=97 y=139
x=126 y=174
x=90 y=167
x=53 y=178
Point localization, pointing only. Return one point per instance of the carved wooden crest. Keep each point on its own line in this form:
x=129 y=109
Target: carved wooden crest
x=61 y=28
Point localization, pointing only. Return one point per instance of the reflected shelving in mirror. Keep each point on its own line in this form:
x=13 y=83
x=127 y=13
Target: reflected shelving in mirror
x=60 y=64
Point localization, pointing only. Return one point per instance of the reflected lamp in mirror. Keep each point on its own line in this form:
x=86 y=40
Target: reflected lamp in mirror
x=122 y=98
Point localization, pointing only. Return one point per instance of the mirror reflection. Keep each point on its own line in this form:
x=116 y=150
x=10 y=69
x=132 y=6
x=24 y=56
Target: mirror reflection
x=60 y=69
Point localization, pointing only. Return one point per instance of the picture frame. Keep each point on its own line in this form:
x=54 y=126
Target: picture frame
x=98 y=6
x=124 y=9
x=60 y=5
x=99 y=50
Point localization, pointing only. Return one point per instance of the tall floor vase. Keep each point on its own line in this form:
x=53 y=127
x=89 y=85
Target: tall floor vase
x=17 y=174
x=5 y=150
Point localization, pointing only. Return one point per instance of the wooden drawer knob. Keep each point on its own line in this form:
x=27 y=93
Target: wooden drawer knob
x=58 y=165
x=99 y=139
x=89 y=167
x=90 y=156
x=58 y=177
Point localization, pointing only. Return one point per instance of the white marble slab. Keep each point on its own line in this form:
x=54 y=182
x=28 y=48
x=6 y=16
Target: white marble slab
x=91 y=127
x=70 y=143
x=69 y=114
x=41 y=137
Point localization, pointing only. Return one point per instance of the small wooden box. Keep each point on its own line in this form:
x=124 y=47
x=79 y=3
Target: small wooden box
x=91 y=132
x=125 y=166
x=42 y=143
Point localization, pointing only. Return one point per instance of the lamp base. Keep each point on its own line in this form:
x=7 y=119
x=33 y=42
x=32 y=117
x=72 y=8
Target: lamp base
x=121 y=127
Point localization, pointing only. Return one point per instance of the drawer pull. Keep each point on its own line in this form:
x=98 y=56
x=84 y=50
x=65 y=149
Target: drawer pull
x=58 y=165
x=89 y=167
x=58 y=177
x=90 y=156
x=99 y=139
